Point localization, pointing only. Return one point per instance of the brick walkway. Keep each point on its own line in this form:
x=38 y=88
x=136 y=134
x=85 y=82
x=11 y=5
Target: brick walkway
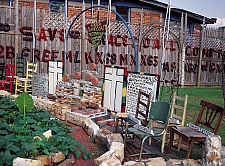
x=80 y=135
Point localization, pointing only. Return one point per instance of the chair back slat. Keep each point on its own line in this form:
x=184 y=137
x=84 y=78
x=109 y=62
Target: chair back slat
x=210 y=116
x=179 y=107
x=143 y=104
x=10 y=72
x=31 y=68
x=9 y=77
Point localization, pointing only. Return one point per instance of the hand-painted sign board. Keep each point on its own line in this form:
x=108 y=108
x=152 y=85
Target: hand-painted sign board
x=149 y=83
x=96 y=31
x=40 y=84
x=57 y=6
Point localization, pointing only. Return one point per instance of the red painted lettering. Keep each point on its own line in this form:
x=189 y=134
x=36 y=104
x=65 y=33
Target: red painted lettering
x=54 y=55
x=123 y=58
x=156 y=44
x=146 y=42
x=61 y=35
x=143 y=62
x=99 y=58
x=76 y=60
x=88 y=56
x=45 y=56
x=188 y=51
x=37 y=54
x=10 y=52
x=52 y=34
x=26 y=31
x=166 y=66
x=1 y=51
x=124 y=38
x=110 y=40
x=113 y=59
x=132 y=61
x=116 y=40
x=195 y=51
x=26 y=51
x=211 y=67
x=205 y=52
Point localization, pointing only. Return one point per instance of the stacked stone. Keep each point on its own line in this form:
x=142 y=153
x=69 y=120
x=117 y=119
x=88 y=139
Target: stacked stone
x=44 y=104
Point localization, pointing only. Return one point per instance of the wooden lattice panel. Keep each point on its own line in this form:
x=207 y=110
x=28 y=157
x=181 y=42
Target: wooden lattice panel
x=193 y=40
x=54 y=20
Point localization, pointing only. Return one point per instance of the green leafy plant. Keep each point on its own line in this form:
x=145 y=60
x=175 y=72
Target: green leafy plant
x=25 y=103
x=24 y=137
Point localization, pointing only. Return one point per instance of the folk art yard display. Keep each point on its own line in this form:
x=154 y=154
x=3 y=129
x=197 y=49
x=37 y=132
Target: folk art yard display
x=85 y=94
x=113 y=43
x=88 y=95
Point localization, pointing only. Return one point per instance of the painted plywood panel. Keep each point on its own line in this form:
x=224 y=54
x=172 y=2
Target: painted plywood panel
x=55 y=74
x=148 y=83
x=115 y=88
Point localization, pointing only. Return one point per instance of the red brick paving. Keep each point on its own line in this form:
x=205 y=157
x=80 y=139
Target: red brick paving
x=80 y=135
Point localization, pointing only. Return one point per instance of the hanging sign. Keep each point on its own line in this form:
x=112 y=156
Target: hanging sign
x=95 y=31
x=57 y=6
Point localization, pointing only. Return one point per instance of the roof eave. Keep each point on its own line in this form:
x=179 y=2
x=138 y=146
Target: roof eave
x=195 y=16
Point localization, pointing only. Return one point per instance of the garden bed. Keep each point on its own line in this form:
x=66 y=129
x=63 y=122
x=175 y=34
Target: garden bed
x=21 y=132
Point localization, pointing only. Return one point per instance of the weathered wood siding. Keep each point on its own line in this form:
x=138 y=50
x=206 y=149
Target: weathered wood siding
x=145 y=38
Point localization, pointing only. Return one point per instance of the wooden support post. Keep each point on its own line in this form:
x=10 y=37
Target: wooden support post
x=16 y=29
x=200 y=56
x=83 y=43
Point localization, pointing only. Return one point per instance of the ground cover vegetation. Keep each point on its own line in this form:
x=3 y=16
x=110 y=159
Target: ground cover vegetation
x=21 y=132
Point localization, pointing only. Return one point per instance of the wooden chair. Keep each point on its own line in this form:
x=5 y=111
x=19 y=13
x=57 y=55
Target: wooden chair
x=177 y=117
x=25 y=84
x=208 y=120
x=7 y=83
x=141 y=114
x=159 y=112
x=20 y=66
